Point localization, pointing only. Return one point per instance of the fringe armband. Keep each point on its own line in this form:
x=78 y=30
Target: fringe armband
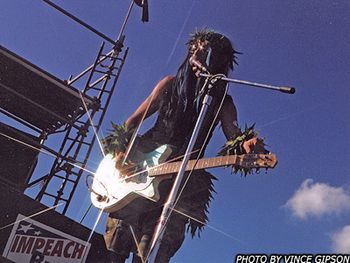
x=235 y=147
x=117 y=140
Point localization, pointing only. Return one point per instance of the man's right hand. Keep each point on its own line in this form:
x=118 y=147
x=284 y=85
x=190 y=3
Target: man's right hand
x=125 y=168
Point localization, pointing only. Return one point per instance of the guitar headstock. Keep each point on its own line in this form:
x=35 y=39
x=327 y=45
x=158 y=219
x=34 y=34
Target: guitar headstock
x=251 y=161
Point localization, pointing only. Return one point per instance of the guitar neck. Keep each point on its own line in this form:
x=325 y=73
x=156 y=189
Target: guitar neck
x=168 y=168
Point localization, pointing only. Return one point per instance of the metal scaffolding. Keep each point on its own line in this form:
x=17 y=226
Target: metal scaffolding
x=79 y=141
x=100 y=79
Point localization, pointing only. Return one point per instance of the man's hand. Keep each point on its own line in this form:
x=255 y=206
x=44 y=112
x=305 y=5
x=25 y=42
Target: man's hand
x=125 y=169
x=255 y=145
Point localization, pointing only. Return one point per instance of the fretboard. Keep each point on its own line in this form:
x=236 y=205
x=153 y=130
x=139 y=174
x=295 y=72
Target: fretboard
x=168 y=168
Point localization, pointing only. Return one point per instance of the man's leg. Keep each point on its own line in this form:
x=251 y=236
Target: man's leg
x=118 y=240
x=173 y=237
x=114 y=258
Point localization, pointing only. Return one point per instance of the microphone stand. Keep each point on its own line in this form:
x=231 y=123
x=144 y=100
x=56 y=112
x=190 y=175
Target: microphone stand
x=171 y=201
x=288 y=90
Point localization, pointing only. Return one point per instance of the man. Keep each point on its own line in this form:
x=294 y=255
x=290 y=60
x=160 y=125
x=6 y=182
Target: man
x=177 y=100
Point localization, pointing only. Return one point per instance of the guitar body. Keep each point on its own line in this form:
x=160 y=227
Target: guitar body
x=112 y=192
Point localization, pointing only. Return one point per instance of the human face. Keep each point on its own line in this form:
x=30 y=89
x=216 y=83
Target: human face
x=199 y=52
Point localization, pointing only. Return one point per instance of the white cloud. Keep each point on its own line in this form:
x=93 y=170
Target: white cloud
x=341 y=240
x=316 y=199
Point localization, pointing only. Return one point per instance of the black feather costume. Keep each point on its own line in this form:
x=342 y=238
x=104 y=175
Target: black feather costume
x=177 y=115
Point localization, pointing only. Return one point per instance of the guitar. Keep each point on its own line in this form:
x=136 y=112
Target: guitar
x=111 y=192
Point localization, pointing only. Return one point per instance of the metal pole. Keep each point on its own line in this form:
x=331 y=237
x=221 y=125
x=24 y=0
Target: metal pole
x=119 y=41
x=169 y=205
x=80 y=22
x=125 y=20
x=38 y=146
x=12 y=116
x=69 y=82
x=288 y=90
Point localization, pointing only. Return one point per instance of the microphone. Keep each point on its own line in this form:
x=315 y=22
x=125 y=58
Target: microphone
x=197 y=64
x=144 y=5
x=288 y=90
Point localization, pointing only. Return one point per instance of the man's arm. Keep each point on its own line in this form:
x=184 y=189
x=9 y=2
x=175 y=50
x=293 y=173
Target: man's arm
x=151 y=104
x=228 y=118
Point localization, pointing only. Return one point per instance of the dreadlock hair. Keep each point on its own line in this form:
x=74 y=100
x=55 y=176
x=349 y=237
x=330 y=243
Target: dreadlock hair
x=223 y=50
x=185 y=87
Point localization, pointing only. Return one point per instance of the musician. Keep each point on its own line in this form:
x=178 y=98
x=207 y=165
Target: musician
x=177 y=101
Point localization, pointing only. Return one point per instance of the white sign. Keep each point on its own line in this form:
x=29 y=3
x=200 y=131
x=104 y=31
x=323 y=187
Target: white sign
x=34 y=242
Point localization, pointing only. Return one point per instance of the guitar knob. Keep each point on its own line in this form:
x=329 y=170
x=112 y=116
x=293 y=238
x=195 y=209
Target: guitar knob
x=102 y=198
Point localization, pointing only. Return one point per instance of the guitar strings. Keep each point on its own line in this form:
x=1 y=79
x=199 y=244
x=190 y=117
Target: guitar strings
x=154 y=167
x=129 y=177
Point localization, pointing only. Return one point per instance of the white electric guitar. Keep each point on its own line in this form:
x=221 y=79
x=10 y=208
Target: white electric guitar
x=111 y=192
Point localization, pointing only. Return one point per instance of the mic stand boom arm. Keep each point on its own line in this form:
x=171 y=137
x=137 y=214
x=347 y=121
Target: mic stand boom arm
x=288 y=90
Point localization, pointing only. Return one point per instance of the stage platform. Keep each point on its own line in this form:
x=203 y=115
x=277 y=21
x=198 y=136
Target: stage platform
x=47 y=235
x=36 y=96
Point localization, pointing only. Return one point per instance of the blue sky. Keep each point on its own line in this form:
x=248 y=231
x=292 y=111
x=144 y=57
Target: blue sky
x=302 y=206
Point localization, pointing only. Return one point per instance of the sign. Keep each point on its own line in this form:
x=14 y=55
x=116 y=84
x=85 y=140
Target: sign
x=34 y=242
